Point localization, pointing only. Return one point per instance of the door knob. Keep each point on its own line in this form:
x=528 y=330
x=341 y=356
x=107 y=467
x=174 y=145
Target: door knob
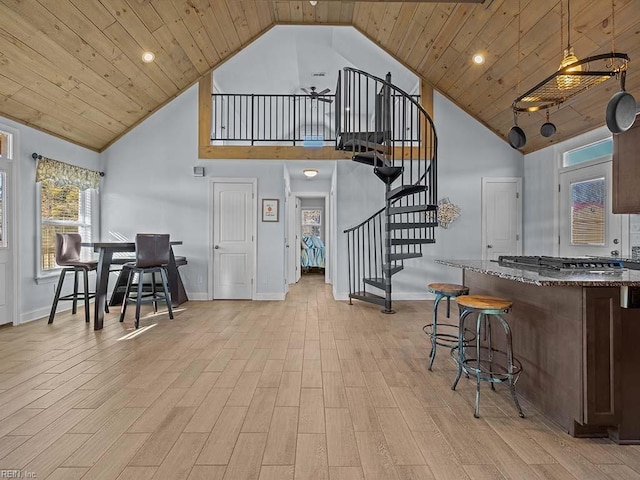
x=217 y=247
x=615 y=253
x=489 y=246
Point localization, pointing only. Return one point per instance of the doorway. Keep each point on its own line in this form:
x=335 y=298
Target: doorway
x=310 y=231
x=501 y=217
x=232 y=259
x=587 y=224
x=8 y=227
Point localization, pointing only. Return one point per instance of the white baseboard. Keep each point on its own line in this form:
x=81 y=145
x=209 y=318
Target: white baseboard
x=413 y=296
x=44 y=312
x=270 y=296
x=198 y=296
x=204 y=296
x=339 y=296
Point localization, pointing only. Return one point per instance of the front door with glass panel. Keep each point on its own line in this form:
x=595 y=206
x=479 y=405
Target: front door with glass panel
x=587 y=226
x=7 y=294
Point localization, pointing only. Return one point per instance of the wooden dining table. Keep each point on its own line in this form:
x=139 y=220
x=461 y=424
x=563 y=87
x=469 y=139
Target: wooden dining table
x=106 y=252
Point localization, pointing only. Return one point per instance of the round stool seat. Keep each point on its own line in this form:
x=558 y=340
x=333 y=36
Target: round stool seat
x=448 y=289
x=484 y=302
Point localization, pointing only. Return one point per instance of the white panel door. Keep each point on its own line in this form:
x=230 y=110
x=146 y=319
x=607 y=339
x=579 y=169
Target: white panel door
x=6 y=246
x=501 y=211
x=587 y=224
x=232 y=240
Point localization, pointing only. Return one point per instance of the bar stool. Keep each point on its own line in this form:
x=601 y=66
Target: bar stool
x=68 y=256
x=448 y=340
x=152 y=256
x=486 y=368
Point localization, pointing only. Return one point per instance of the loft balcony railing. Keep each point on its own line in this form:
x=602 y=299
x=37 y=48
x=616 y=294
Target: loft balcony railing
x=255 y=119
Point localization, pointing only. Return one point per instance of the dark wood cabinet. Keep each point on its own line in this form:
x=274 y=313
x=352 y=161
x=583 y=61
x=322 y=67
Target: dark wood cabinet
x=626 y=170
x=579 y=354
x=601 y=356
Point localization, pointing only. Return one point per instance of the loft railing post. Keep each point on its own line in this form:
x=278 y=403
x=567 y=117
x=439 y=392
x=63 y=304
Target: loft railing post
x=293 y=124
x=253 y=108
x=386 y=118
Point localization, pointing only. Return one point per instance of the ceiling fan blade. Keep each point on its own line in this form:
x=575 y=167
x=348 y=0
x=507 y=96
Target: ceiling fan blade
x=327 y=100
x=305 y=90
x=324 y=92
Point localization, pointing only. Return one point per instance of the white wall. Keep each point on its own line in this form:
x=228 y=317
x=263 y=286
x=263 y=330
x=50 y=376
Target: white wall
x=150 y=188
x=36 y=297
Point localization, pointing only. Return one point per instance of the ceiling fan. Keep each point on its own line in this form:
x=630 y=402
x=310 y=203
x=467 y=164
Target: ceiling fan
x=317 y=95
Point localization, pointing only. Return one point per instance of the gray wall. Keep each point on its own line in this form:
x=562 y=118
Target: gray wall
x=36 y=296
x=541 y=192
x=151 y=188
x=467 y=152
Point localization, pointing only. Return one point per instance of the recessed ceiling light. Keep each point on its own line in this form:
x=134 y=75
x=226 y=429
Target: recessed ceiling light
x=310 y=172
x=313 y=2
x=478 y=59
x=148 y=57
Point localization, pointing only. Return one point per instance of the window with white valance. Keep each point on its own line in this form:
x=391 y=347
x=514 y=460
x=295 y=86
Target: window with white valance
x=67 y=196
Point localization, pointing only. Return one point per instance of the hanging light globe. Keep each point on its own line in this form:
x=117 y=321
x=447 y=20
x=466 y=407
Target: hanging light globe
x=565 y=82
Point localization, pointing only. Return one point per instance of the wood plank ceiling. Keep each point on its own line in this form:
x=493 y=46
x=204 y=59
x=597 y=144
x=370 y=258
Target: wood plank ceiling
x=73 y=68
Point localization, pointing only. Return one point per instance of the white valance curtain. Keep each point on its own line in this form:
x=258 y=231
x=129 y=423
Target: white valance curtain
x=61 y=174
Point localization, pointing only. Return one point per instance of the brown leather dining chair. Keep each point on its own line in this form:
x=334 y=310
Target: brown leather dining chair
x=152 y=256
x=68 y=256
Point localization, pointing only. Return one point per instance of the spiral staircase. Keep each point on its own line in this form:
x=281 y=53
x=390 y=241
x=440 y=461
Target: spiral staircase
x=387 y=129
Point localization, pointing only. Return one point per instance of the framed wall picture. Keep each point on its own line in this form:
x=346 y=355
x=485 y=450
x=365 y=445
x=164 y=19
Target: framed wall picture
x=270 y=209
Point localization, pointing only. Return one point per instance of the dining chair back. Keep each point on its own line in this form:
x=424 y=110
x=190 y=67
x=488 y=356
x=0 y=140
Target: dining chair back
x=153 y=252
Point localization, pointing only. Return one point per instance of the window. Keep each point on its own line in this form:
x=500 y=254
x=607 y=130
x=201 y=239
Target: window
x=588 y=212
x=65 y=209
x=602 y=150
x=311 y=222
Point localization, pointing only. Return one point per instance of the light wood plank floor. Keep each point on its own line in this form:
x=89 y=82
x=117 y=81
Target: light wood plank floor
x=308 y=388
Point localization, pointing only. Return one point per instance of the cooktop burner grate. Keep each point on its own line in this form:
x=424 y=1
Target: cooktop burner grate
x=563 y=264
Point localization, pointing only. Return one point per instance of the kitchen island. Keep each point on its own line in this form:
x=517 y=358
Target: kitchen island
x=577 y=344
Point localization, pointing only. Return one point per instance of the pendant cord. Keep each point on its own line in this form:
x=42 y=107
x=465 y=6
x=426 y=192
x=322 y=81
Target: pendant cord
x=613 y=26
x=568 y=24
x=561 y=29
x=519 y=35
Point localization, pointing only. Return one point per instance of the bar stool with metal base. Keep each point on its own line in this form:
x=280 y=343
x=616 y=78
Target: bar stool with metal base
x=486 y=368
x=68 y=256
x=448 y=340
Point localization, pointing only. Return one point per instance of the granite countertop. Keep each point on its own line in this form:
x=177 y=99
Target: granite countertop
x=545 y=277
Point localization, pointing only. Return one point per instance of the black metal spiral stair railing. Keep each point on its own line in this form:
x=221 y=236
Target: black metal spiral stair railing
x=388 y=129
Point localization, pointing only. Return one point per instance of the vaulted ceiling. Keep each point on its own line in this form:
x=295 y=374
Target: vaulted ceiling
x=73 y=67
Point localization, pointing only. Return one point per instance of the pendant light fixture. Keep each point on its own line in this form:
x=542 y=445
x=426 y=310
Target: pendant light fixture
x=566 y=82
